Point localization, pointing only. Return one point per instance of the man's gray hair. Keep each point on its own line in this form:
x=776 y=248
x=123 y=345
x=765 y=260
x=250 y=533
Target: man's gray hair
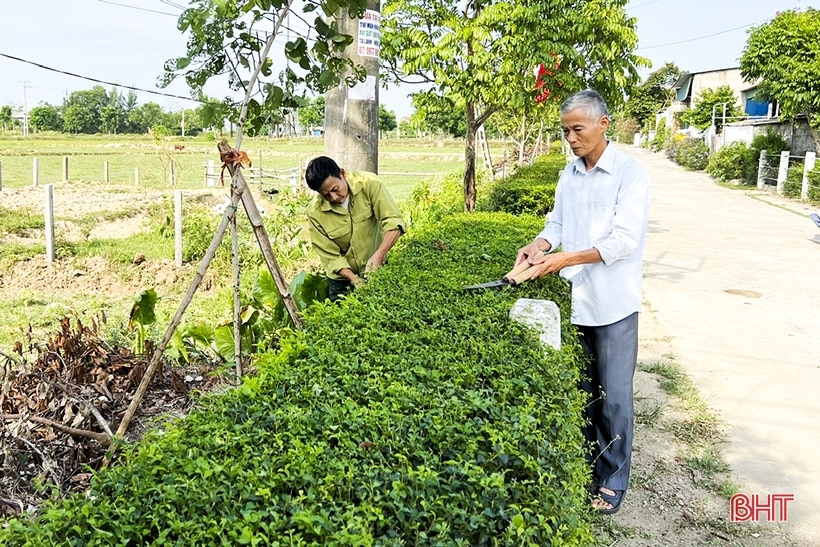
x=588 y=99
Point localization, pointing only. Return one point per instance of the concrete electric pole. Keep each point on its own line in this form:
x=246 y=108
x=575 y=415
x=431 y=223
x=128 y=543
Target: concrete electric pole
x=352 y=114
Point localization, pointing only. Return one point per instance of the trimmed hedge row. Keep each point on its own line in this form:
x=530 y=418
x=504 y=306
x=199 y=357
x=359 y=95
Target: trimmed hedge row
x=530 y=190
x=412 y=413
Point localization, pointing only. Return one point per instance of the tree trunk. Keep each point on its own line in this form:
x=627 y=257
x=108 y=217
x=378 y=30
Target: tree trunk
x=522 y=147
x=469 y=160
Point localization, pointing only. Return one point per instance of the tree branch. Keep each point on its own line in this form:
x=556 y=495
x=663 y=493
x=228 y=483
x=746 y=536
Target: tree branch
x=101 y=438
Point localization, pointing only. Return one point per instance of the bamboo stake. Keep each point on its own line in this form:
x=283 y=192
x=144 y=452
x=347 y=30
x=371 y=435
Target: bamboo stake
x=183 y=305
x=237 y=340
x=263 y=240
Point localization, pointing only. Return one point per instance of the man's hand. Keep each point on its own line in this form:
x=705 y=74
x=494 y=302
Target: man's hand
x=375 y=262
x=534 y=253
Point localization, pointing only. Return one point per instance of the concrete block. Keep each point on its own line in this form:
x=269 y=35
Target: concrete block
x=542 y=315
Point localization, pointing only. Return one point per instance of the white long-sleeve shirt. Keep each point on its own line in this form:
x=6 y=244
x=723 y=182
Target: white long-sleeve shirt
x=606 y=208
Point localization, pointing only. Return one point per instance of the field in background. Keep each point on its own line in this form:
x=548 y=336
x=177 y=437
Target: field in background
x=402 y=163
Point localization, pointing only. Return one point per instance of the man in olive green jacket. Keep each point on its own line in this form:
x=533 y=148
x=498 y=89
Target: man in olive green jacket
x=354 y=222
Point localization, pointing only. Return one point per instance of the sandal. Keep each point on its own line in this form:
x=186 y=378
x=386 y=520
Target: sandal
x=613 y=500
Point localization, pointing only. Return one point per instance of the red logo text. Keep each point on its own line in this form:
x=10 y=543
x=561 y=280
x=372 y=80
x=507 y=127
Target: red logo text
x=754 y=508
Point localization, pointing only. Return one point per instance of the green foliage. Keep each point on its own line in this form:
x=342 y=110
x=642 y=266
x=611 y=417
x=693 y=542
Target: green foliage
x=709 y=102
x=387 y=119
x=659 y=142
x=770 y=141
x=814 y=186
x=784 y=54
x=435 y=113
x=142 y=314
x=530 y=190
x=793 y=185
x=735 y=161
x=312 y=113
x=223 y=39
x=652 y=96
x=46 y=118
x=691 y=153
x=411 y=413
x=481 y=56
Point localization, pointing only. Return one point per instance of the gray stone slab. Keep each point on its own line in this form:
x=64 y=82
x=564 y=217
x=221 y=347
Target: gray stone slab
x=542 y=315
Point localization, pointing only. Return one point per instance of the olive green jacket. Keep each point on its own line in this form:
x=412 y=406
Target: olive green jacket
x=348 y=238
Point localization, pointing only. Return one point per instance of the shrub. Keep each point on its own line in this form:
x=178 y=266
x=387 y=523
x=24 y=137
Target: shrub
x=659 y=142
x=733 y=162
x=793 y=185
x=625 y=129
x=691 y=153
x=530 y=190
x=410 y=413
x=771 y=142
x=814 y=186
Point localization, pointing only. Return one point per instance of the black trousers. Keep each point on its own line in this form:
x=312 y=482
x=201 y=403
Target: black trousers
x=613 y=353
x=338 y=287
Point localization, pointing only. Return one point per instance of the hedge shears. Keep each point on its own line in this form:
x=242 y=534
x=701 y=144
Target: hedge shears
x=516 y=276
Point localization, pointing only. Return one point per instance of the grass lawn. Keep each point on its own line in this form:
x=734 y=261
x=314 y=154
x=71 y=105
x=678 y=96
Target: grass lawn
x=403 y=162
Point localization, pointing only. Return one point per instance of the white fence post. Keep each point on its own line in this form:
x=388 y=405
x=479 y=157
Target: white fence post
x=65 y=168
x=35 y=168
x=49 y=214
x=811 y=158
x=210 y=174
x=783 y=171
x=761 y=170
x=107 y=173
x=178 y=228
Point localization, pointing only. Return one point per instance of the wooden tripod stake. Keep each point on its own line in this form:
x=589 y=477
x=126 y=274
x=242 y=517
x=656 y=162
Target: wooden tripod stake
x=238 y=193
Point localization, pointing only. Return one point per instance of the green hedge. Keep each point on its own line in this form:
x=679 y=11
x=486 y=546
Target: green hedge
x=413 y=413
x=530 y=190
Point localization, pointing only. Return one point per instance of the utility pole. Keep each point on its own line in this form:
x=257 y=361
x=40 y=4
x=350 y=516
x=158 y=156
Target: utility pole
x=352 y=114
x=25 y=108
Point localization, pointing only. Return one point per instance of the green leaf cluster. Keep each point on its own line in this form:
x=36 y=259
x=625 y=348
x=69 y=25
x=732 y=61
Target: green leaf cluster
x=227 y=39
x=785 y=54
x=709 y=108
x=530 y=190
x=410 y=413
x=735 y=161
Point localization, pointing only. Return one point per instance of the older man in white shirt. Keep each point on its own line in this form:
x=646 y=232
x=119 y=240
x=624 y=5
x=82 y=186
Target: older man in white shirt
x=599 y=223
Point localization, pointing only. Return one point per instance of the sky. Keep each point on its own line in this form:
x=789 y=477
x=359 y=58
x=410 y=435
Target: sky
x=126 y=42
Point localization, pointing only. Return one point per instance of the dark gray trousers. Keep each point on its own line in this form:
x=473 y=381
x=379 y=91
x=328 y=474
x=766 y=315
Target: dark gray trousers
x=613 y=352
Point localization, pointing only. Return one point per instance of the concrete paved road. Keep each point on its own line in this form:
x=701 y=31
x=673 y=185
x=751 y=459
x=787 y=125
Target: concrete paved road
x=735 y=279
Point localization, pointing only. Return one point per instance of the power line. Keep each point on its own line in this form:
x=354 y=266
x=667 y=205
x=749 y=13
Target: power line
x=139 y=8
x=12 y=57
x=644 y=4
x=701 y=37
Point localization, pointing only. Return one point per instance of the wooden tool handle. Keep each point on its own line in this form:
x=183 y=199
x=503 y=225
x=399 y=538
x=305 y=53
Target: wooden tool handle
x=526 y=275
x=521 y=268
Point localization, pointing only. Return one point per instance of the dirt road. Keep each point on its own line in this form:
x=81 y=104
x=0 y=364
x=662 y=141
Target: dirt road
x=735 y=278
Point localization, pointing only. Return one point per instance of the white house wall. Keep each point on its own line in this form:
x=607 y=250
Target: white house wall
x=717 y=78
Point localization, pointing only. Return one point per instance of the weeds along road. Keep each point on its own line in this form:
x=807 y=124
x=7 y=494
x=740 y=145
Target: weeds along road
x=734 y=276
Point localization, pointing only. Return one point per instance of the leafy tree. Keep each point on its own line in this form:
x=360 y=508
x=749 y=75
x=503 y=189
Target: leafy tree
x=387 y=119
x=481 y=53
x=312 y=113
x=45 y=117
x=653 y=95
x=5 y=115
x=438 y=113
x=146 y=116
x=785 y=53
x=711 y=102
x=82 y=110
x=77 y=119
x=232 y=39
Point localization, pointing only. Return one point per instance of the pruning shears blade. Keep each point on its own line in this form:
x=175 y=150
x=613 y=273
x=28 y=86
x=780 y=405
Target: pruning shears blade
x=488 y=285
